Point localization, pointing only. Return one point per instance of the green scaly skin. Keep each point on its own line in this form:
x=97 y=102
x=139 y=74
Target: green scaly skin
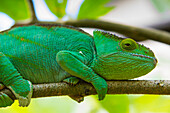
x=50 y=54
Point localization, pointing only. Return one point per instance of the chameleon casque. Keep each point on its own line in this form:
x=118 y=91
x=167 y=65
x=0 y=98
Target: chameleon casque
x=54 y=53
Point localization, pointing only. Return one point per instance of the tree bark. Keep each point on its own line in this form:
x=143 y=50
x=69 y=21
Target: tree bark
x=155 y=87
x=129 y=31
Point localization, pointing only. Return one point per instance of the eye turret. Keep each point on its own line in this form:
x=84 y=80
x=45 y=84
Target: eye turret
x=128 y=44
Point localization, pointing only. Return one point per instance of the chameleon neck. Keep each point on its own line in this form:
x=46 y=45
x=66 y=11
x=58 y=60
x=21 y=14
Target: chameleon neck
x=98 y=66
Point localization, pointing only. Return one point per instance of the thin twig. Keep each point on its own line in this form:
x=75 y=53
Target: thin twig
x=156 y=87
x=34 y=18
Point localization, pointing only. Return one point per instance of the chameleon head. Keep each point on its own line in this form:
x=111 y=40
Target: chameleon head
x=119 y=58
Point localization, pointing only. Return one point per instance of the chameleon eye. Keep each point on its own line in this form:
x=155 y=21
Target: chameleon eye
x=128 y=44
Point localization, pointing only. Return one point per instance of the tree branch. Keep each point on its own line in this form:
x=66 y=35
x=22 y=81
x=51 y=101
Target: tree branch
x=129 y=31
x=157 y=87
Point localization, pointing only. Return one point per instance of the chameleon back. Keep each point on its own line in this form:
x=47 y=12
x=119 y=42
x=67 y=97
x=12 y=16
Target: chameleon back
x=33 y=49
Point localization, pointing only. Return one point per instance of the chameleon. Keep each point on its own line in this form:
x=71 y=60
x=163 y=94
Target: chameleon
x=35 y=54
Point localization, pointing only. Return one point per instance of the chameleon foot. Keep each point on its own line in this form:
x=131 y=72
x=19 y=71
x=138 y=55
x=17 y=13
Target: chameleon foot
x=101 y=87
x=74 y=81
x=23 y=92
x=5 y=100
x=71 y=80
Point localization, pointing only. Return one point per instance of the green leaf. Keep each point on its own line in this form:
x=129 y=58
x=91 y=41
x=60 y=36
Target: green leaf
x=116 y=103
x=16 y=9
x=162 y=5
x=57 y=7
x=92 y=9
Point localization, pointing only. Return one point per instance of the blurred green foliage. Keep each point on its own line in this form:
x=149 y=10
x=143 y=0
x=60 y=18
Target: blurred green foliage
x=151 y=103
x=16 y=9
x=57 y=7
x=111 y=104
x=116 y=103
x=162 y=5
x=92 y=9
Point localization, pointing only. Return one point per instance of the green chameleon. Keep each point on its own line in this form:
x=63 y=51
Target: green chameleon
x=54 y=53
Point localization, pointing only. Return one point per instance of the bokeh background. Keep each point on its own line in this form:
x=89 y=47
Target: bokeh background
x=140 y=13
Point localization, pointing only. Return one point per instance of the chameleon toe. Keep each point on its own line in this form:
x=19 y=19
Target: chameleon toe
x=23 y=102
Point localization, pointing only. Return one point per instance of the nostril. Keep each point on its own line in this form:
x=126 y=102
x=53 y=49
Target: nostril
x=146 y=52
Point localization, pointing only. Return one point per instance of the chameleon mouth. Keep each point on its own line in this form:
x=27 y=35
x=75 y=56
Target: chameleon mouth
x=137 y=55
x=144 y=56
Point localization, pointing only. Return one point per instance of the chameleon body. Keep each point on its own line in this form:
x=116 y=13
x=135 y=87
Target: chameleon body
x=50 y=54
